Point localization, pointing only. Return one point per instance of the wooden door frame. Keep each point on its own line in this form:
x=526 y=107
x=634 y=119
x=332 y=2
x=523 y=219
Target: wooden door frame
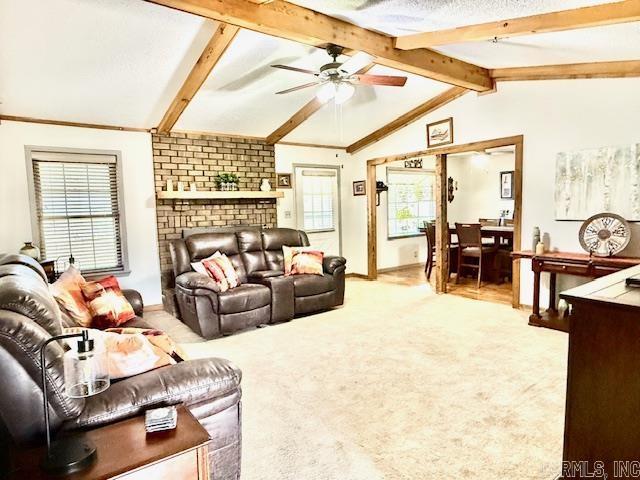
x=442 y=236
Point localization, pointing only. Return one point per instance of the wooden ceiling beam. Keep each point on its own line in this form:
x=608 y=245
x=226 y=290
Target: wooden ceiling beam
x=286 y=20
x=217 y=45
x=621 y=69
x=412 y=115
x=64 y=123
x=595 y=16
x=303 y=114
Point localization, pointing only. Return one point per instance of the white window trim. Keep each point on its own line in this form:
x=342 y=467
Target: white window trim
x=336 y=173
x=35 y=227
x=418 y=171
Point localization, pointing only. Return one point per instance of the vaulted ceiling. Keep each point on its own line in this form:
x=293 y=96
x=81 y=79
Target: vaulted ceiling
x=122 y=62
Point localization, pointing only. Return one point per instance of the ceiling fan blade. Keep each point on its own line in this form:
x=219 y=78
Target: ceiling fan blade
x=299 y=87
x=355 y=63
x=296 y=69
x=386 y=80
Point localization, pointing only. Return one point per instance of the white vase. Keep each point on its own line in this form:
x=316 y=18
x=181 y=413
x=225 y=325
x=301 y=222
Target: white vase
x=169 y=185
x=265 y=186
x=30 y=250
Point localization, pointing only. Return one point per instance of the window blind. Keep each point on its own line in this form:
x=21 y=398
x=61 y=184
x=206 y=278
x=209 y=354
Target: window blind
x=77 y=209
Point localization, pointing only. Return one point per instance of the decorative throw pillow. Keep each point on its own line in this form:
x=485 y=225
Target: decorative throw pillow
x=214 y=270
x=67 y=291
x=290 y=252
x=107 y=304
x=227 y=267
x=287 y=256
x=308 y=261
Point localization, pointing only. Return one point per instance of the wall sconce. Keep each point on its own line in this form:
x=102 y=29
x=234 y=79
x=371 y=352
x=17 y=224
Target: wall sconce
x=380 y=187
x=451 y=187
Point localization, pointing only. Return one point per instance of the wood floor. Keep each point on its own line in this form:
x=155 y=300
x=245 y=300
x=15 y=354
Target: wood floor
x=415 y=275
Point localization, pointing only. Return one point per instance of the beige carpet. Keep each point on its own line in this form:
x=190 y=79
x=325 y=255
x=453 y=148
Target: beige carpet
x=400 y=384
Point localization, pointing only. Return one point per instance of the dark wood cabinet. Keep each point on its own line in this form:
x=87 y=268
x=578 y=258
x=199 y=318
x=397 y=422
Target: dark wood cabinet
x=602 y=418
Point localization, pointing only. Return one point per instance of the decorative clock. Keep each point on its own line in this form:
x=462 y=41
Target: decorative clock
x=604 y=234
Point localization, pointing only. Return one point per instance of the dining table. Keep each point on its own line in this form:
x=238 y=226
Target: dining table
x=497 y=232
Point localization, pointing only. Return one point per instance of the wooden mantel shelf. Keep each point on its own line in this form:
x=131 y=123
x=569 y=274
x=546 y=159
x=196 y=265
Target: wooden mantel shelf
x=218 y=195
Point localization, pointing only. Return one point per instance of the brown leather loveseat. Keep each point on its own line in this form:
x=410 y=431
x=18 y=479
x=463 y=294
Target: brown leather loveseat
x=265 y=295
x=29 y=315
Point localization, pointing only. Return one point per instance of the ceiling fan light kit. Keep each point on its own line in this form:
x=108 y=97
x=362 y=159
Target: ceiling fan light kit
x=340 y=92
x=337 y=80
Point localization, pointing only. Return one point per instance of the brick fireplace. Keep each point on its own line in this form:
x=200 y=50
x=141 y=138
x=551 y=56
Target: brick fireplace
x=199 y=158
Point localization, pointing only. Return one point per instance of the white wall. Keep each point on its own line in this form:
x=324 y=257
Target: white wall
x=553 y=116
x=139 y=196
x=478 y=181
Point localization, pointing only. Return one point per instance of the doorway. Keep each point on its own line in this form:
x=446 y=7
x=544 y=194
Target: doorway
x=442 y=242
x=317 y=198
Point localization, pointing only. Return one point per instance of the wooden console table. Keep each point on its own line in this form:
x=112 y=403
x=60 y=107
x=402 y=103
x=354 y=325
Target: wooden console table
x=568 y=263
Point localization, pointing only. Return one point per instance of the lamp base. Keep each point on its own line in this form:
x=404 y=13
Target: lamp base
x=68 y=455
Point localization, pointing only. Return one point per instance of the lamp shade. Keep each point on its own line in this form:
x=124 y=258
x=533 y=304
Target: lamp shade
x=326 y=92
x=86 y=373
x=344 y=92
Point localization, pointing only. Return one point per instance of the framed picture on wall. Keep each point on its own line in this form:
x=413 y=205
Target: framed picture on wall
x=440 y=133
x=506 y=185
x=283 y=180
x=359 y=187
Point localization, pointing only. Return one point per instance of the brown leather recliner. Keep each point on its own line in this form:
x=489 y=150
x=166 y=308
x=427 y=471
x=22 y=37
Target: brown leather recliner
x=265 y=296
x=29 y=315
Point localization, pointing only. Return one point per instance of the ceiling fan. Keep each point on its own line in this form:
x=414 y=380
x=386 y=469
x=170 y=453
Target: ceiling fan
x=337 y=80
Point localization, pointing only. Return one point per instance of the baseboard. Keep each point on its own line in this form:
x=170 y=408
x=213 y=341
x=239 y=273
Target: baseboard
x=153 y=308
x=401 y=267
x=357 y=275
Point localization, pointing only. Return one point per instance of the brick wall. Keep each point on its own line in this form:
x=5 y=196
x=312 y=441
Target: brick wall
x=200 y=158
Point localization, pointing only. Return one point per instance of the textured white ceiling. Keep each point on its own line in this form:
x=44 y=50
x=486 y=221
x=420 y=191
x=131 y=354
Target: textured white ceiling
x=403 y=17
x=239 y=95
x=121 y=62
x=95 y=61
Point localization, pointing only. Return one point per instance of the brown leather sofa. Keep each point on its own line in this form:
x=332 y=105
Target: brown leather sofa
x=29 y=315
x=265 y=296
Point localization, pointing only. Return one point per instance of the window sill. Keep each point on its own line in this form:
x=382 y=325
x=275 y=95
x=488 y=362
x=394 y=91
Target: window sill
x=105 y=273
x=399 y=237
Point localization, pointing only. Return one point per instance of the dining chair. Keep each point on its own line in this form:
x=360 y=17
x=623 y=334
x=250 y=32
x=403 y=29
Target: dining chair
x=470 y=246
x=430 y=234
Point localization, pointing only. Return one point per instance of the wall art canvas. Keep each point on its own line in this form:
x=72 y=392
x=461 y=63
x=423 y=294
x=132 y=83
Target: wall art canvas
x=599 y=180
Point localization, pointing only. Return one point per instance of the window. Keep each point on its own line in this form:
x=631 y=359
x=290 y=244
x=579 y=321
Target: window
x=76 y=207
x=410 y=201
x=317 y=199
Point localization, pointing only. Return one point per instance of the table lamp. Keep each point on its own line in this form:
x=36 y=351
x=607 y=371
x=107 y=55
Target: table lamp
x=85 y=374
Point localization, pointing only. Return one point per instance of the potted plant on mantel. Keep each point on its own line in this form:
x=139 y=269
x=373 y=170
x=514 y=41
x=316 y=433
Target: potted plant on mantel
x=227 y=182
